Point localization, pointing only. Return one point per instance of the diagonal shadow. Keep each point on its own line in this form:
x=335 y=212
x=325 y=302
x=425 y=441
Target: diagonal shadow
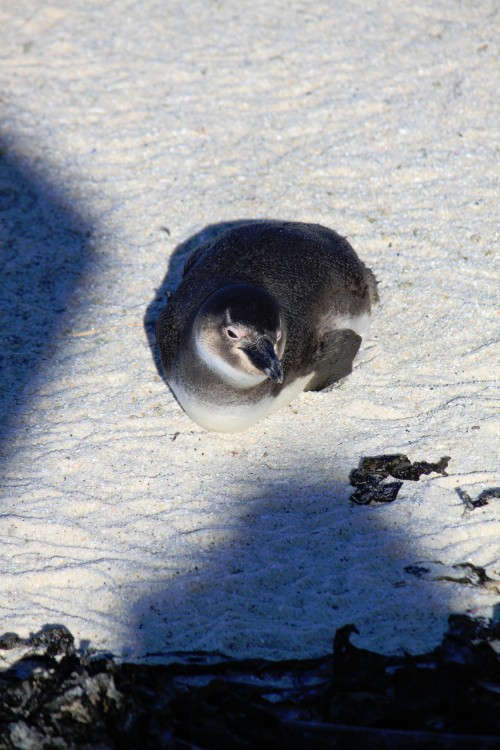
x=45 y=253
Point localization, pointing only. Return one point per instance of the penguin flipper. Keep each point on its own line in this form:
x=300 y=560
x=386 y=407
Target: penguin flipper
x=334 y=358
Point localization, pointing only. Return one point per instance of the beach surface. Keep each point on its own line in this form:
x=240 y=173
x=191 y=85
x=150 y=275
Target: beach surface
x=129 y=132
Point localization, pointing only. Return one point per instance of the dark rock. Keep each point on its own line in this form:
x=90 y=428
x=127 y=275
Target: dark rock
x=354 y=698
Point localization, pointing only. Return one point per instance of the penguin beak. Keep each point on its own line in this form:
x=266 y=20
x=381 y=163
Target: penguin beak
x=262 y=355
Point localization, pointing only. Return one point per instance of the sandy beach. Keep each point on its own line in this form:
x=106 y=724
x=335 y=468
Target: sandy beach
x=128 y=132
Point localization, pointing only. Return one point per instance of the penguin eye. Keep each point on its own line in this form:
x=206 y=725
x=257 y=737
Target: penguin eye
x=233 y=333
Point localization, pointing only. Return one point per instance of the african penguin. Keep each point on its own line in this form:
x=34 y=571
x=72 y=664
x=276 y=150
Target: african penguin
x=264 y=311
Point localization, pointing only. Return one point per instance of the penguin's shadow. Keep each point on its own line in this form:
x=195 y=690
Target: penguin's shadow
x=173 y=278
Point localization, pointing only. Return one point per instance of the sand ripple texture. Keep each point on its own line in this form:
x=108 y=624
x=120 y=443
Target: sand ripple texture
x=128 y=128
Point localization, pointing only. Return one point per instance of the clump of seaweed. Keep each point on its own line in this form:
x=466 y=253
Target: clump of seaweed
x=368 y=478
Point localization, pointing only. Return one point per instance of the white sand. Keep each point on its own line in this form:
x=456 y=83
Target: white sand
x=121 y=118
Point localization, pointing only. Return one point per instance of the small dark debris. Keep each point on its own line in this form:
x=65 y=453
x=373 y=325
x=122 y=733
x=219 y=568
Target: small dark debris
x=10 y=640
x=494 y=492
x=465 y=573
x=481 y=500
x=376 y=493
x=368 y=478
x=353 y=698
x=472 y=575
x=417 y=570
x=54 y=640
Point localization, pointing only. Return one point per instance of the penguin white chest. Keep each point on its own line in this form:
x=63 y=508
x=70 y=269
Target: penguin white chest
x=234 y=417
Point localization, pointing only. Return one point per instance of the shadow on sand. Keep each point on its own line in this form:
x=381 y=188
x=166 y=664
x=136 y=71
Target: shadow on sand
x=45 y=255
x=298 y=561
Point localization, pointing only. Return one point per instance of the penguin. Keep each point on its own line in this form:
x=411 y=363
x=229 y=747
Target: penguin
x=264 y=311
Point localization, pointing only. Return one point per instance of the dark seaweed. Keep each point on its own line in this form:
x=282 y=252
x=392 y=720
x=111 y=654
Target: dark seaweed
x=375 y=492
x=472 y=575
x=368 y=478
x=353 y=698
x=481 y=500
x=466 y=573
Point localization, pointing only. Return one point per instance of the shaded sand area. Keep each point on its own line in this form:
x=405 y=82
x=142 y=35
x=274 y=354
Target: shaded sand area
x=128 y=131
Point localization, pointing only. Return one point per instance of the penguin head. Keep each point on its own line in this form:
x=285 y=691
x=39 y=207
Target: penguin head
x=239 y=332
